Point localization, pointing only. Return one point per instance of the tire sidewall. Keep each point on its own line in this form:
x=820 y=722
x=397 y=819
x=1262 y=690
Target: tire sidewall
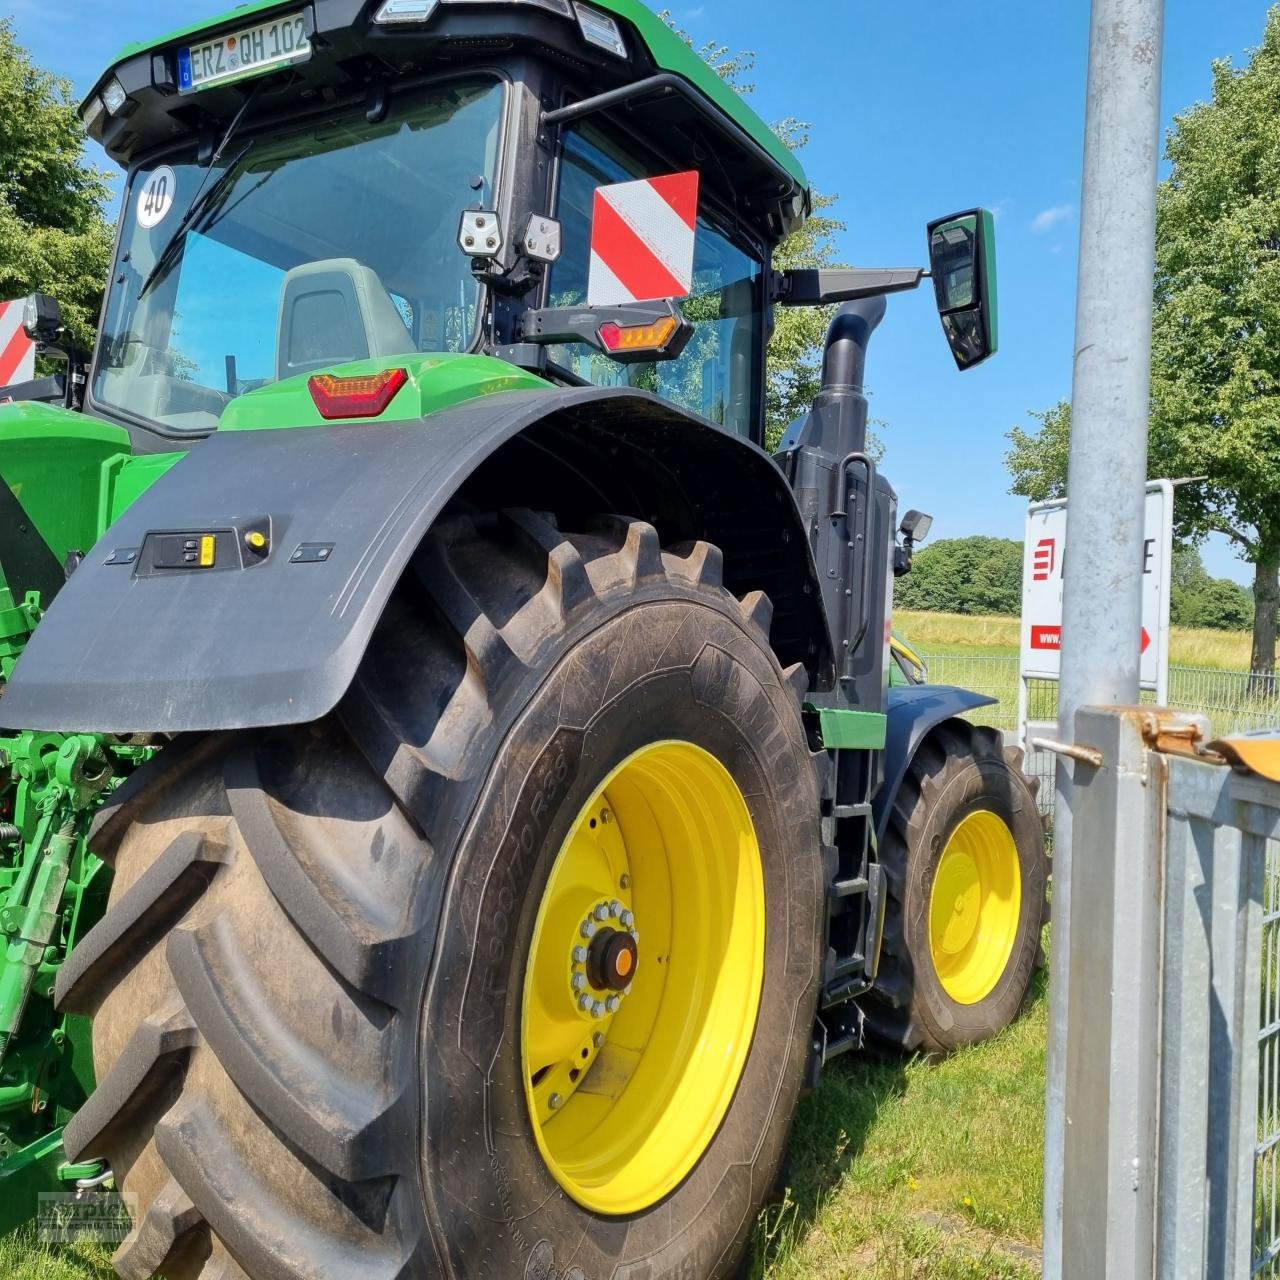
x=979 y=783
x=673 y=668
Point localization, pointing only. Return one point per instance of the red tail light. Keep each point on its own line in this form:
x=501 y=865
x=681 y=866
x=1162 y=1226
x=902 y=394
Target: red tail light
x=366 y=396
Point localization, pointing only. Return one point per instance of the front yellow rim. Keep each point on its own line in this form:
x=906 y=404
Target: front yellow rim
x=644 y=979
x=974 y=907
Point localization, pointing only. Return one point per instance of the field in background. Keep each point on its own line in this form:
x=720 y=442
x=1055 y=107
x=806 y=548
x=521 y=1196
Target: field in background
x=960 y=633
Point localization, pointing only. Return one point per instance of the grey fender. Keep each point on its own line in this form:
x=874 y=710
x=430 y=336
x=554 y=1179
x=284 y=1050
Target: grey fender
x=129 y=646
x=913 y=712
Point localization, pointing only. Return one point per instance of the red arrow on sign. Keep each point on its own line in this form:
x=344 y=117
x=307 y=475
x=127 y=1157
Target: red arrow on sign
x=1146 y=641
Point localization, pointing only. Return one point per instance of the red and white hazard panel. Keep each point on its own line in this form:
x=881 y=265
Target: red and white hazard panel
x=17 y=351
x=642 y=240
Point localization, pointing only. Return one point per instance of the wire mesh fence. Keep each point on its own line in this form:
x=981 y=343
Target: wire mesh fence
x=1234 y=701
x=1266 y=1156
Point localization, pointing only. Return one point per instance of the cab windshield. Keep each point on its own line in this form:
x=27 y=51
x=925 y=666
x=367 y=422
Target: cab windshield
x=314 y=245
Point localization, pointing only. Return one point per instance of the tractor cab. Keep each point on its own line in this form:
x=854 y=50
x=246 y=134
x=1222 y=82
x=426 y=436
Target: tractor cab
x=305 y=181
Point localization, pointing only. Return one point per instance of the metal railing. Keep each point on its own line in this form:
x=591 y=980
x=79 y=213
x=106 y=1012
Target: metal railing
x=1266 y=1225
x=1172 y=1160
x=1220 y=1050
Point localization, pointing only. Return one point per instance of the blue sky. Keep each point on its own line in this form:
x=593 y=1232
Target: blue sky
x=918 y=109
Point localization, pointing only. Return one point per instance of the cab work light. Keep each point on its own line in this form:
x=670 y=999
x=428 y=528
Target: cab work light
x=364 y=396
x=600 y=30
x=93 y=111
x=114 y=96
x=421 y=11
x=397 y=11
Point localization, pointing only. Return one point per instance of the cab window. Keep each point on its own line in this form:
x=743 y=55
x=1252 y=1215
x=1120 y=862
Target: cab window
x=718 y=376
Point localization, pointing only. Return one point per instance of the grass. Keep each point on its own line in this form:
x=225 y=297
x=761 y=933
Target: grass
x=898 y=1171
x=906 y=1170
x=961 y=633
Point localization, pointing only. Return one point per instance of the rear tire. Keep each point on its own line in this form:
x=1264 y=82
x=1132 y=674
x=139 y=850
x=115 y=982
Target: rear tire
x=307 y=989
x=958 y=957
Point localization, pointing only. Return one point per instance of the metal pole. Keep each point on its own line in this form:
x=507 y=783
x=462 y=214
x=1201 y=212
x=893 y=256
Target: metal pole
x=1102 y=602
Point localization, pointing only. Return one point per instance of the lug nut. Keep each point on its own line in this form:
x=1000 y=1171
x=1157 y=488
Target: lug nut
x=584 y=1003
x=598 y=1039
x=615 y=908
x=606 y=816
x=579 y=981
x=597 y=1009
x=624 y=881
x=588 y=929
x=602 y=913
x=628 y=918
x=579 y=955
x=613 y=1004
x=555 y=1102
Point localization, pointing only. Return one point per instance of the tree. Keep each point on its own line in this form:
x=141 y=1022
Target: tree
x=1037 y=460
x=54 y=236
x=976 y=575
x=1215 y=357
x=1197 y=600
x=1215 y=394
x=795 y=351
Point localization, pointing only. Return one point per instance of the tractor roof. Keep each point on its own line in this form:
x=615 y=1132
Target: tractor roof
x=667 y=52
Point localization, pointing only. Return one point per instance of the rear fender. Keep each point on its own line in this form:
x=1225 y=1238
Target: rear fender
x=914 y=711
x=275 y=636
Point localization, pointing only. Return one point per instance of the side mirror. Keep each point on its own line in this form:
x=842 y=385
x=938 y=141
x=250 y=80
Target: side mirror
x=962 y=258
x=41 y=318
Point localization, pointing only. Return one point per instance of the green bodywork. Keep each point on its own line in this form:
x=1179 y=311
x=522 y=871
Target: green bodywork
x=850 y=730
x=69 y=476
x=668 y=51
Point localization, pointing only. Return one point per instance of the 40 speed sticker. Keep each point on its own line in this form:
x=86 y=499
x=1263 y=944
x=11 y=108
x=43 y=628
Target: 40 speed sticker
x=156 y=197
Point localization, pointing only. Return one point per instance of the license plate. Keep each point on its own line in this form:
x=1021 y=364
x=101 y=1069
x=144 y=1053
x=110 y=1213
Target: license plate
x=249 y=52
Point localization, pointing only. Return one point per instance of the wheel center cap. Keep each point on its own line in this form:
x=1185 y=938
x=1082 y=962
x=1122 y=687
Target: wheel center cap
x=611 y=960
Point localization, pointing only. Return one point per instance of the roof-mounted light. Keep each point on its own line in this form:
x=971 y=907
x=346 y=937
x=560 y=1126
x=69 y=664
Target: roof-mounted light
x=93 y=111
x=363 y=396
x=600 y=30
x=114 y=96
x=395 y=12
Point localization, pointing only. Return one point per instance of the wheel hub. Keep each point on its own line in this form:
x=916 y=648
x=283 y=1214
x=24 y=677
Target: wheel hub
x=603 y=960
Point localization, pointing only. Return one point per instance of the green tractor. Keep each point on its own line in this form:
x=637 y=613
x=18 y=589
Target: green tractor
x=453 y=802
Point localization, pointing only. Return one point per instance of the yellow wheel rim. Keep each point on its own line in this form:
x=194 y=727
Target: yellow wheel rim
x=974 y=907
x=644 y=979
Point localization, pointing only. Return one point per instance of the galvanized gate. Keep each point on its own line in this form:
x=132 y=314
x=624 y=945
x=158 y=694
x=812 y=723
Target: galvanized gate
x=1172 y=1108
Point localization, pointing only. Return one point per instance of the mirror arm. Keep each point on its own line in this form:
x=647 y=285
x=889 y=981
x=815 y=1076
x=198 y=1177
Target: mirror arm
x=816 y=288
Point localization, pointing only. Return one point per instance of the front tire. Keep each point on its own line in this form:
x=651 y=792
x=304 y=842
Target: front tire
x=964 y=853
x=311 y=989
